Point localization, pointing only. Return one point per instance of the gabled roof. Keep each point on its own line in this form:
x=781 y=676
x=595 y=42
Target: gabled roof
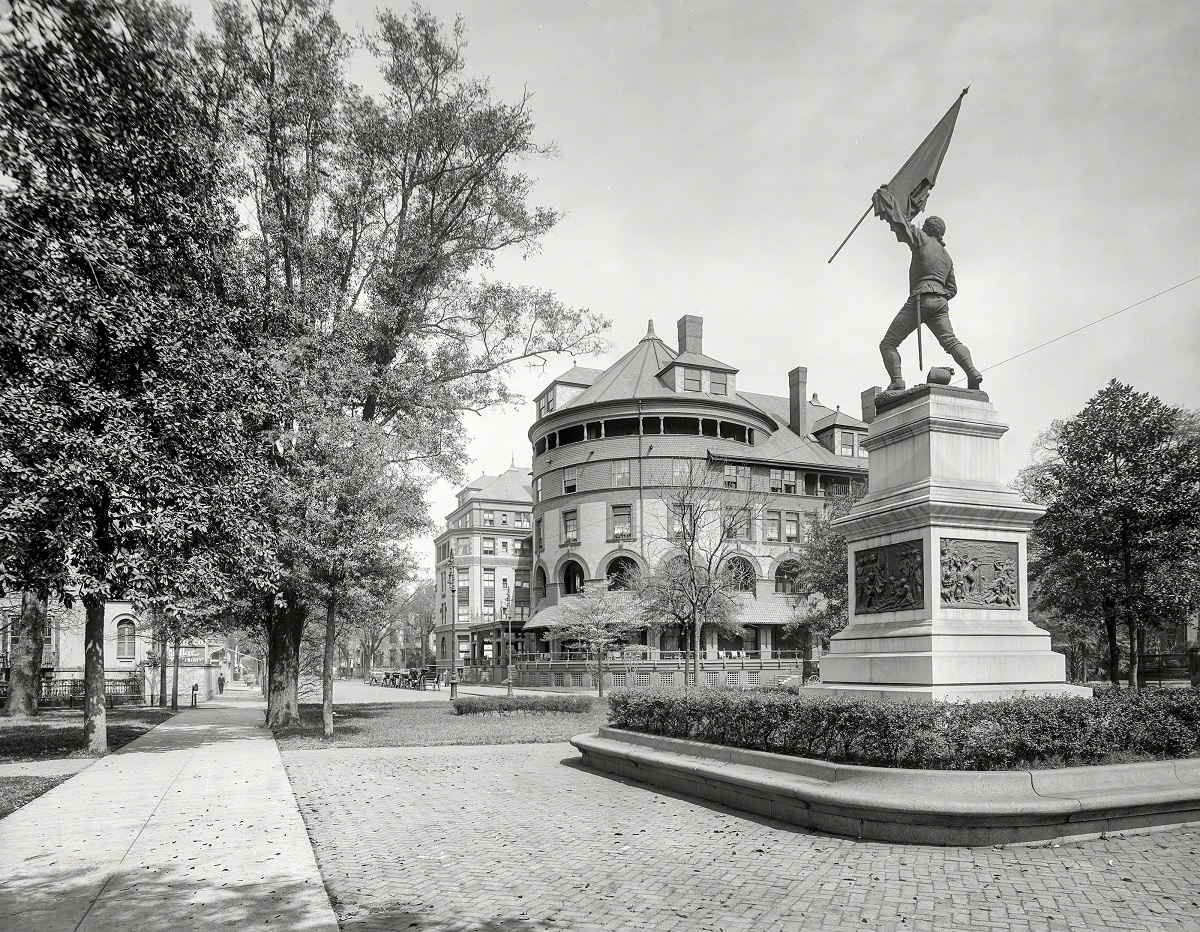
x=838 y=419
x=515 y=484
x=698 y=360
x=785 y=443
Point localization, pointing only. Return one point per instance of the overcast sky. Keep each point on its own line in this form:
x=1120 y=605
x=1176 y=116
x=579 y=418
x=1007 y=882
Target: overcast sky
x=714 y=154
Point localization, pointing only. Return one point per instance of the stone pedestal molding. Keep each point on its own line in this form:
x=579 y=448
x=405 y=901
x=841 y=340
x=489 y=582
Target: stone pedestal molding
x=937 y=562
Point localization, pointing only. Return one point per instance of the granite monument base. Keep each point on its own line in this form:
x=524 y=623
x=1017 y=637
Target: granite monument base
x=937 y=562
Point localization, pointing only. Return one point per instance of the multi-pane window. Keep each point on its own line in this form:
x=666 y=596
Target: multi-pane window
x=464 y=614
x=570 y=479
x=489 y=585
x=570 y=524
x=504 y=519
x=786 y=577
x=737 y=522
x=791 y=526
x=504 y=546
x=537 y=490
x=620 y=472
x=783 y=480
x=489 y=546
x=126 y=632
x=681 y=471
x=521 y=587
x=522 y=519
x=539 y=536
x=464 y=585
x=737 y=477
x=462 y=546
x=546 y=403
x=847 y=444
x=771 y=526
x=621 y=518
x=489 y=519
x=718 y=383
x=522 y=547
x=861 y=451
x=691 y=380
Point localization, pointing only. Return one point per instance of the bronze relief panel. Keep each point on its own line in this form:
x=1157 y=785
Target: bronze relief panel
x=889 y=578
x=980 y=574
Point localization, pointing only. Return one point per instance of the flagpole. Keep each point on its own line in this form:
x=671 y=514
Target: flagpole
x=848 y=235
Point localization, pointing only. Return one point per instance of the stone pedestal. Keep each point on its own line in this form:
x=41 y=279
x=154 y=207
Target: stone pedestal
x=937 y=562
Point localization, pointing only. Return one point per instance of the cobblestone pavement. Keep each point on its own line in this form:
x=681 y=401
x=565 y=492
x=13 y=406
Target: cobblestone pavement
x=520 y=837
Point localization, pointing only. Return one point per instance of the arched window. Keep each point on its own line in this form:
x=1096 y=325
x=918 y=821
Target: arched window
x=786 y=577
x=572 y=578
x=741 y=574
x=444 y=654
x=621 y=573
x=539 y=582
x=126 y=633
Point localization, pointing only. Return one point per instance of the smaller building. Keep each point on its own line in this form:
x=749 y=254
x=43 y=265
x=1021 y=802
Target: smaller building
x=483 y=560
x=129 y=649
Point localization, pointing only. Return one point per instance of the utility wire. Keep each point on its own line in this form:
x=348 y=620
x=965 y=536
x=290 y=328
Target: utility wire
x=1099 y=320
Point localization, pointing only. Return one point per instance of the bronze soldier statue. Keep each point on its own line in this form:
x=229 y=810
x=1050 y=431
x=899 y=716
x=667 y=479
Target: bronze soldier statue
x=930 y=282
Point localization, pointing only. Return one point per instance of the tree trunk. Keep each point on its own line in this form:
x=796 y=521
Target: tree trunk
x=25 y=672
x=1114 y=649
x=95 y=724
x=697 y=624
x=283 y=693
x=1134 y=655
x=599 y=672
x=162 y=670
x=327 y=672
x=175 y=681
x=1131 y=624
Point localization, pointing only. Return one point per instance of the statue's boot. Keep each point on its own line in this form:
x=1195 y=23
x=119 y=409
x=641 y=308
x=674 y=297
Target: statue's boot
x=891 y=362
x=962 y=356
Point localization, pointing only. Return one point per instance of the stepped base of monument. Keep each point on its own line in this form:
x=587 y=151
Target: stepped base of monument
x=962 y=692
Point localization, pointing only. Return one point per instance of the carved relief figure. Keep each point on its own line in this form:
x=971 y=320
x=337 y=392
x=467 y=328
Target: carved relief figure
x=978 y=573
x=890 y=578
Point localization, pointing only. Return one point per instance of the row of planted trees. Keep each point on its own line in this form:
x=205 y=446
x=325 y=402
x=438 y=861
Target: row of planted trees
x=246 y=305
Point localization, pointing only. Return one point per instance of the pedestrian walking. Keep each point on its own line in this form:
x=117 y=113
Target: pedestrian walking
x=221 y=683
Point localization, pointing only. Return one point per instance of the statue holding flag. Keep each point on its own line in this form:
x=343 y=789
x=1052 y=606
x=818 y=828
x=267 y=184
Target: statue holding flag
x=931 y=285
x=931 y=273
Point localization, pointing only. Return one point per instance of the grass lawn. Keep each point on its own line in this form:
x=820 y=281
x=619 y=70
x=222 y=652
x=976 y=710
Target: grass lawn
x=15 y=792
x=55 y=733
x=430 y=724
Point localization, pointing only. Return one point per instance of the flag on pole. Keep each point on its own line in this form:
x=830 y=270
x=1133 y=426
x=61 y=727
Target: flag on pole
x=916 y=177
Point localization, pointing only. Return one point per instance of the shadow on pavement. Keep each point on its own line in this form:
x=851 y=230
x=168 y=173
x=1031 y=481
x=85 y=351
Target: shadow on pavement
x=171 y=896
x=402 y=919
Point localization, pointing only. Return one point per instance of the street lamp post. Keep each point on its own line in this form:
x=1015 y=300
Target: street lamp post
x=453 y=574
x=508 y=619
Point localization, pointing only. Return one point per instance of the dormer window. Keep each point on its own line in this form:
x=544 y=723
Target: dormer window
x=691 y=380
x=719 y=383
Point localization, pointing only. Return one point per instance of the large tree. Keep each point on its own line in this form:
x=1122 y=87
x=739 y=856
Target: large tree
x=376 y=219
x=1120 y=540
x=128 y=358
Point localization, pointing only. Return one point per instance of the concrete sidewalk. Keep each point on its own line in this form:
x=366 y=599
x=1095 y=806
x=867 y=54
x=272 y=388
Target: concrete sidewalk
x=193 y=825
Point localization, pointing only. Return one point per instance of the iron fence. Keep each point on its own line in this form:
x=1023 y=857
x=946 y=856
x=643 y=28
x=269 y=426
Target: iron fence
x=69 y=691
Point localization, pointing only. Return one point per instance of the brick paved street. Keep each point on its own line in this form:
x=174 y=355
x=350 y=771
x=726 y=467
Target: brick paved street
x=518 y=837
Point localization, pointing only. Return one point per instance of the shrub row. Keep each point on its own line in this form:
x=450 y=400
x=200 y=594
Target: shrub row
x=479 y=705
x=1114 y=725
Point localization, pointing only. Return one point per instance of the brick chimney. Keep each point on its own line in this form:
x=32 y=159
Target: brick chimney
x=798 y=400
x=691 y=333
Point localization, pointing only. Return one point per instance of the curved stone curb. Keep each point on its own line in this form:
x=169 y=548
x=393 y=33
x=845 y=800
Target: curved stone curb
x=937 y=807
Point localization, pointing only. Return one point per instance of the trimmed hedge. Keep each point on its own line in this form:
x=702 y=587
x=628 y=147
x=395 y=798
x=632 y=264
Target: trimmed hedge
x=1039 y=733
x=480 y=705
